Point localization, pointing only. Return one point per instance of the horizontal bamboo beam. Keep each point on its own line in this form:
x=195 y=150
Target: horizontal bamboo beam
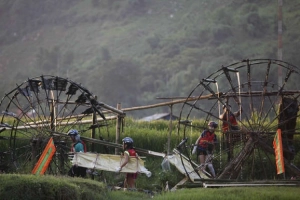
x=47 y=123
x=111 y=144
x=177 y=100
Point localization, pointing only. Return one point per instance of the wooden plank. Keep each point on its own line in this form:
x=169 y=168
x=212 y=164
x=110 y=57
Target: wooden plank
x=207 y=185
x=180 y=183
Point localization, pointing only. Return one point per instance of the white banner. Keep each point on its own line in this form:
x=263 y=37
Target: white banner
x=109 y=162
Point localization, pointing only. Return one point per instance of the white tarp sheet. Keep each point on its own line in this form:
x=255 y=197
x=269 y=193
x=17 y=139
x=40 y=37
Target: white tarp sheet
x=175 y=160
x=109 y=162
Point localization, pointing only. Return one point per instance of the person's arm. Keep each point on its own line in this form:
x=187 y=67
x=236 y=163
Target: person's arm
x=222 y=116
x=195 y=145
x=197 y=141
x=238 y=113
x=126 y=159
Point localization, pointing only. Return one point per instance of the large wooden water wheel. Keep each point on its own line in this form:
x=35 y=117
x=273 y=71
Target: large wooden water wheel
x=45 y=107
x=266 y=105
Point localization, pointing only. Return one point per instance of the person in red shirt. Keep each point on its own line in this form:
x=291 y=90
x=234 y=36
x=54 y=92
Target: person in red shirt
x=230 y=125
x=205 y=145
x=128 y=152
x=229 y=119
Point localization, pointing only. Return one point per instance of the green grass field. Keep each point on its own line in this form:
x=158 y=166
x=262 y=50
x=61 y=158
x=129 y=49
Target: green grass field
x=64 y=188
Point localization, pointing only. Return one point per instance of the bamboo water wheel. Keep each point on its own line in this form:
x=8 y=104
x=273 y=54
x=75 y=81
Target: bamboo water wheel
x=44 y=107
x=252 y=87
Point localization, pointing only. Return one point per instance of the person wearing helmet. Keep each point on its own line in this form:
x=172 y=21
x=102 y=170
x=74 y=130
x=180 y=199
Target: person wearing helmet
x=230 y=125
x=205 y=145
x=78 y=146
x=229 y=119
x=128 y=152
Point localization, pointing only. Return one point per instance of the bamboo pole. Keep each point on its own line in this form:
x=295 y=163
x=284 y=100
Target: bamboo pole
x=211 y=96
x=118 y=127
x=170 y=129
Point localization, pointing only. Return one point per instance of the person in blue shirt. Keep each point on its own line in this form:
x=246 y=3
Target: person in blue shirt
x=78 y=146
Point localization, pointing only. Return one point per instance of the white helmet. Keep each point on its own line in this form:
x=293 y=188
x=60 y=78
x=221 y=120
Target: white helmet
x=73 y=132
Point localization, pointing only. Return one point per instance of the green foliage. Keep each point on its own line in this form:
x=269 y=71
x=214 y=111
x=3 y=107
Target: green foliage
x=54 y=61
x=117 y=79
x=128 y=195
x=221 y=33
x=106 y=56
x=170 y=177
x=223 y=16
x=170 y=46
x=170 y=50
x=49 y=187
x=150 y=135
x=153 y=41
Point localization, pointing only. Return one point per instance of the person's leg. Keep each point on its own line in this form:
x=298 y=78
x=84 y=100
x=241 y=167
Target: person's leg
x=76 y=171
x=131 y=180
x=210 y=165
x=202 y=159
x=201 y=156
x=126 y=182
x=82 y=171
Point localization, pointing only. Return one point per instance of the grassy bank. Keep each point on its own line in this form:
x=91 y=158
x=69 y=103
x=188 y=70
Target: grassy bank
x=249 y=193
x=63 y=188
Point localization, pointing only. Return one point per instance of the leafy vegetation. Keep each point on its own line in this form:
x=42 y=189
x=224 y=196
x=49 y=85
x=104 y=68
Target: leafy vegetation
x=132 y=51
x=48 y=187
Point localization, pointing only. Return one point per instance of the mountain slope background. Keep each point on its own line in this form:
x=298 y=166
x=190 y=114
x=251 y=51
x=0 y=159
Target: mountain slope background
x=132 y=51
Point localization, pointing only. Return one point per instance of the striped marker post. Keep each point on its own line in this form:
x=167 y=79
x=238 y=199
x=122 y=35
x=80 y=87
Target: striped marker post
x=45 y=159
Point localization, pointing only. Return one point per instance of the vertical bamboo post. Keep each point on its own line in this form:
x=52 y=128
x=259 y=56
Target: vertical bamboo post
x=62 y=155
x=118 y=127
x=170 y=127
x=93 y=130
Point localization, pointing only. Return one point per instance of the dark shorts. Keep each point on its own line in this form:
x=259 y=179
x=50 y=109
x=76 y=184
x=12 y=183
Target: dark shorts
x=77 y=171
x=131 y=175
x=201 y=152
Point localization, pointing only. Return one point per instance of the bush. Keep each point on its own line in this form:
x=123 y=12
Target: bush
x=49 y=187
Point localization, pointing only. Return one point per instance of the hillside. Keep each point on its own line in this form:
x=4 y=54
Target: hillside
x=132 y=51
